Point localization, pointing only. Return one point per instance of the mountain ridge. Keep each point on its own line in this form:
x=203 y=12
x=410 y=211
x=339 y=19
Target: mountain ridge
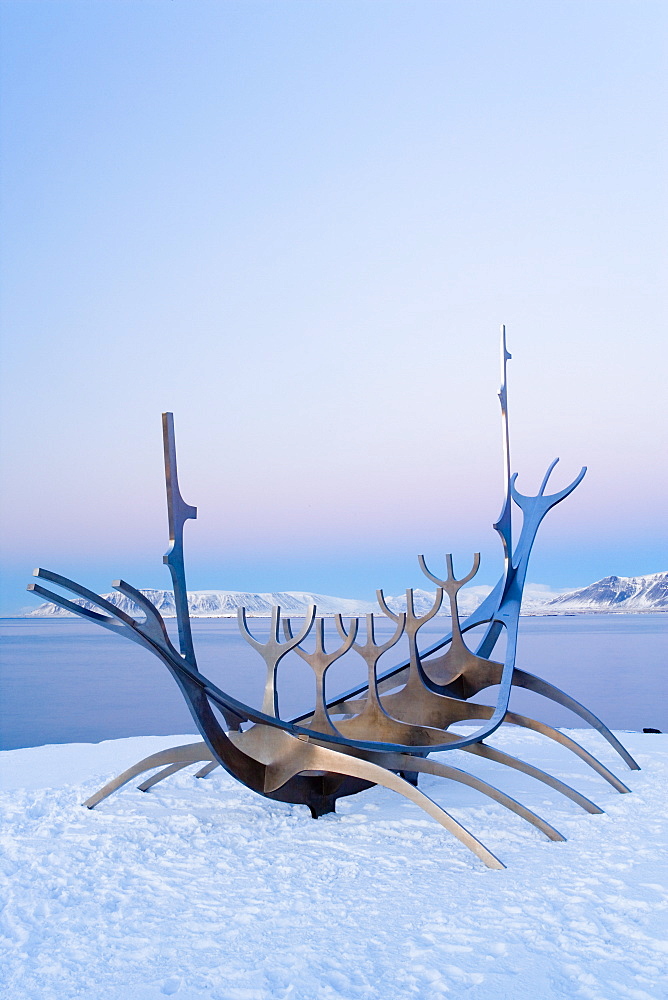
x=611 y=594
x=621 y=594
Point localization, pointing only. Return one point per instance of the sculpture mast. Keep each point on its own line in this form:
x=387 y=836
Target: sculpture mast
x=179 y=512
x=504 y=523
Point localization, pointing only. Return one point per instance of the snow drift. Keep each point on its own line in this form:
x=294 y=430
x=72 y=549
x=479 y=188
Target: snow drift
x=202 y=890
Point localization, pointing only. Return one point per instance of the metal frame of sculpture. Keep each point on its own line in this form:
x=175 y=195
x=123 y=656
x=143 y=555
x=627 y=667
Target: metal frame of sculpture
x=385 y=729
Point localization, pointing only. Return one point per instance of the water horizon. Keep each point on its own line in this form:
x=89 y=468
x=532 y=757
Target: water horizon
x=64 y=680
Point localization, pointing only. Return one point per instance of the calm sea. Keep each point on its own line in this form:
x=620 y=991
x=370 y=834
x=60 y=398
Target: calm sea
x=65 y=681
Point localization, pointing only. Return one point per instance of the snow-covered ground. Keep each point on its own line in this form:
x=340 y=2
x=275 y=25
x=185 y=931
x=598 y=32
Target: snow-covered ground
x=204 y=891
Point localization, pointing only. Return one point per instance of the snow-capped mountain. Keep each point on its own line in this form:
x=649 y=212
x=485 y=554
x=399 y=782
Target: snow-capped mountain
x=468 y=600
x=224 y=603
x=616 y=593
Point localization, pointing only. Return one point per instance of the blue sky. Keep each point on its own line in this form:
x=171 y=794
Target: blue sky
x=299 y=226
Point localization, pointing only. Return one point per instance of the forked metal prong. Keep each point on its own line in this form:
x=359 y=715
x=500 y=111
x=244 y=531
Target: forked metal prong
x=370 y=643
x=273 y=650
x=320 y=661
x=154 y=626
x=385 y=608
x=450 y=583
x=550 y=500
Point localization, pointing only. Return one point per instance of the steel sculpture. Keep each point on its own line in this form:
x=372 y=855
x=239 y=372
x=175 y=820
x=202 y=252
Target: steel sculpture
x=273 y=651
x=373 y=734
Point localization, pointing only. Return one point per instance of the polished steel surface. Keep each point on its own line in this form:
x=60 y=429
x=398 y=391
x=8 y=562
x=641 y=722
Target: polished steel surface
x=276 y=763
x=182 y=757
x=532 y=683
x=320 y=661
x=273 y=650
x=479 y=749
x=372 y=718
x=178 y=512
x=412 y=625
x=396 y=675
x=391 y=723
x=458 y=663
x=284 y=756
x=207 y=769
x=166 y=772
x=188 y=754
x=504 y=523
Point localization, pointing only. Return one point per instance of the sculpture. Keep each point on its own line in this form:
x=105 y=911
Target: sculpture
x=386 y=735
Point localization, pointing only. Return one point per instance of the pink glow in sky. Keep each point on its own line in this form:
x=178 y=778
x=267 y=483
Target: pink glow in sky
x=298 y=227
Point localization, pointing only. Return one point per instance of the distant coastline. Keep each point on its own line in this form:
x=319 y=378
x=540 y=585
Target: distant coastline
x=611 y=595
x=30 y=616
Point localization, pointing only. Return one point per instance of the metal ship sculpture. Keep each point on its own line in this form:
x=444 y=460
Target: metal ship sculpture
x=382 y=732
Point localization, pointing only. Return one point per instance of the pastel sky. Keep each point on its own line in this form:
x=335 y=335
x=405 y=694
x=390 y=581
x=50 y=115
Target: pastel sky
x=298 y=226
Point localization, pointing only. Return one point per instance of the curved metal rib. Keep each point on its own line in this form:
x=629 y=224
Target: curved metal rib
x=500 y=757
x=153 y=628
x=196 y=688
x=460 y=673
x=566 y=741
x=165 y=773
x=189 y=753
x=490 y=753
x=426 y=766
x=285 y=756
x=479 y=749
x=453 y=711
x=532 y=683
x=207 y=769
